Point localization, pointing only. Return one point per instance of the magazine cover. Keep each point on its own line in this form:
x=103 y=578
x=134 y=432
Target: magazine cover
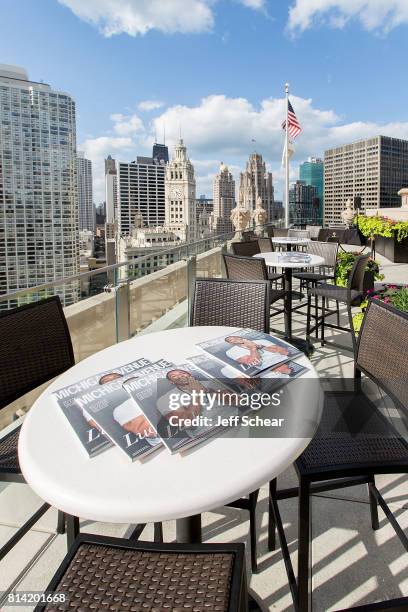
x=249 y=352
x=110 y=408
x=266 y=381
x=92 y=439
x=181 y=404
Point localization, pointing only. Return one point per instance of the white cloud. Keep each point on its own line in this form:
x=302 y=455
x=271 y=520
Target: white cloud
x=125 y=125
x=381 y=15
x=134 y=17
x=221 y=129
x=137 y=17
x=254 y=4
x=150 y=105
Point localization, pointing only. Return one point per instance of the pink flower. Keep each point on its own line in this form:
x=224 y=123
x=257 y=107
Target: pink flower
x=376 y=297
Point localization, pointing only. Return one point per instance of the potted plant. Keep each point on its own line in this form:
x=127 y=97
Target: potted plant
x=391 y=236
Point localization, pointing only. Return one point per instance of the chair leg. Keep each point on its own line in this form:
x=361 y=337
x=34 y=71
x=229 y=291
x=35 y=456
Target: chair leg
x=72 y=529
x=316 y=314
x=158 y=532
x=253 y=498
x=305 y=549
x=61 y=522
x=308 y=315
x=338 y=313
x=373 y=505
x=271 y=517
x=322 y=321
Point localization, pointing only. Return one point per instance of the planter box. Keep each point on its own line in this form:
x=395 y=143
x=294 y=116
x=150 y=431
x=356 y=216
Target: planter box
x=396 y=252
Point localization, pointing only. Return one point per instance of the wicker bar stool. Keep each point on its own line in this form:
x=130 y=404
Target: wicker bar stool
x=327 y=250
x=240 y=267
x=265 y=245
x=247 y=248
x=103 y=573
x=35 y=346
x=352 y=295
x=354 y=442
x=234 y=303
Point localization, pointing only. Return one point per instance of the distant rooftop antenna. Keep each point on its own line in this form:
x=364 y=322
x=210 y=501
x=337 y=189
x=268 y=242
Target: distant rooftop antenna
x=155 y=134
x=164 y=133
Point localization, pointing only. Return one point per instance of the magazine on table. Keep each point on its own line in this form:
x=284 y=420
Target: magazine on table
x=265 y=381
x=249 y=352
x=293 y=257
x=181 y=404
x=112 y=410
x=93 y=440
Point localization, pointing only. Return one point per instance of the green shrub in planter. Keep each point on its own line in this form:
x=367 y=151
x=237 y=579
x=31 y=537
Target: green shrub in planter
x=345 y=261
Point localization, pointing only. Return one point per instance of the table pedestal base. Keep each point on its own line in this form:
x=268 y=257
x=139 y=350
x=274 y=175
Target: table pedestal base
x=188 y=530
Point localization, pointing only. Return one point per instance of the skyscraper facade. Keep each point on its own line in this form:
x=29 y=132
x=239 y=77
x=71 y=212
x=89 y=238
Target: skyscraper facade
x=301 y=198
x=111 y=189
x=257 y=182
x=39 y=237
x=224 y=200
x=311 y=172
x=141 y=193
x=374 y=169
x=181 y=215
x=85 y=194
x=160 y=153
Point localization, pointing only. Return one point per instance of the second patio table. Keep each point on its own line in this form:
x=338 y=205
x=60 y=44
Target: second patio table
x=276 y=260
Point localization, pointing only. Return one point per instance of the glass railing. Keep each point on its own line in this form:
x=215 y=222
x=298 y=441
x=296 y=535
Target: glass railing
x=113 y=303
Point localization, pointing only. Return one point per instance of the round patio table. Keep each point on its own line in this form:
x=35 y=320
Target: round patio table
x=110 y=488
x=277 y=260
x=290 y=241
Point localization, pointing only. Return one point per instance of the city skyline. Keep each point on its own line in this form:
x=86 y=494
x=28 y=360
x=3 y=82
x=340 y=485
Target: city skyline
x=195 y=74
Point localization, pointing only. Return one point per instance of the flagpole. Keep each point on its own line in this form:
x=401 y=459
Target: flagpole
x=287 y=158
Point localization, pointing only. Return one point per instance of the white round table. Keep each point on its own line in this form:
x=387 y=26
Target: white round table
x=277 y=260
x=290 y=241
x=108 y=487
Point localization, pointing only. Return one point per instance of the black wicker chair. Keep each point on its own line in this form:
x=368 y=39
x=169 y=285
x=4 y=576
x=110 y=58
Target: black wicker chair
x=247 y=248
x=354 y=442
x=234 y=304
x=352 y=295
x=35 y=347
x=327 y=272
x=240 y=267
x=101 y=573
x=280 y=232
x=265 y=245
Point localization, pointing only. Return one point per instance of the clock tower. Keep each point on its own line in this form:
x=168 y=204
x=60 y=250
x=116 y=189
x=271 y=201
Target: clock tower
x=181 y=195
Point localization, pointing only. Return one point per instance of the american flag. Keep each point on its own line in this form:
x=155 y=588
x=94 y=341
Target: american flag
x=294 y=125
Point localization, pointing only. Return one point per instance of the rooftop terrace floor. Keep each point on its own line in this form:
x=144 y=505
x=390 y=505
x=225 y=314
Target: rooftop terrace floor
x=351 y=563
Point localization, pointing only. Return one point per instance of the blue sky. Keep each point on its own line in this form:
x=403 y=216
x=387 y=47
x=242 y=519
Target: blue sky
x=216 y=68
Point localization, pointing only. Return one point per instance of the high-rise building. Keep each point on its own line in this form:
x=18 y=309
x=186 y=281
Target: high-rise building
x=311 y=172
x=224 y=200
x=301 y=198
x=85 y=194
x=374 y=170
x=141 y=192
x=39 y=236
x=160 y=153
x=111 y=189
x=181 y=195
x=257 y=182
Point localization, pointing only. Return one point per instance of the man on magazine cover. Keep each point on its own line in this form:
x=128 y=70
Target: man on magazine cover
x=128 y=415
x=254 y=353
x=185 y=382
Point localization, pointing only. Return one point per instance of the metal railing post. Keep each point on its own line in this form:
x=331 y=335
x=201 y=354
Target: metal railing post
x=123 y=312
x=191 y=276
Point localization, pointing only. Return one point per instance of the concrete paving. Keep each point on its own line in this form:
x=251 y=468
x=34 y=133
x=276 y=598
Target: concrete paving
x=352 y=564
